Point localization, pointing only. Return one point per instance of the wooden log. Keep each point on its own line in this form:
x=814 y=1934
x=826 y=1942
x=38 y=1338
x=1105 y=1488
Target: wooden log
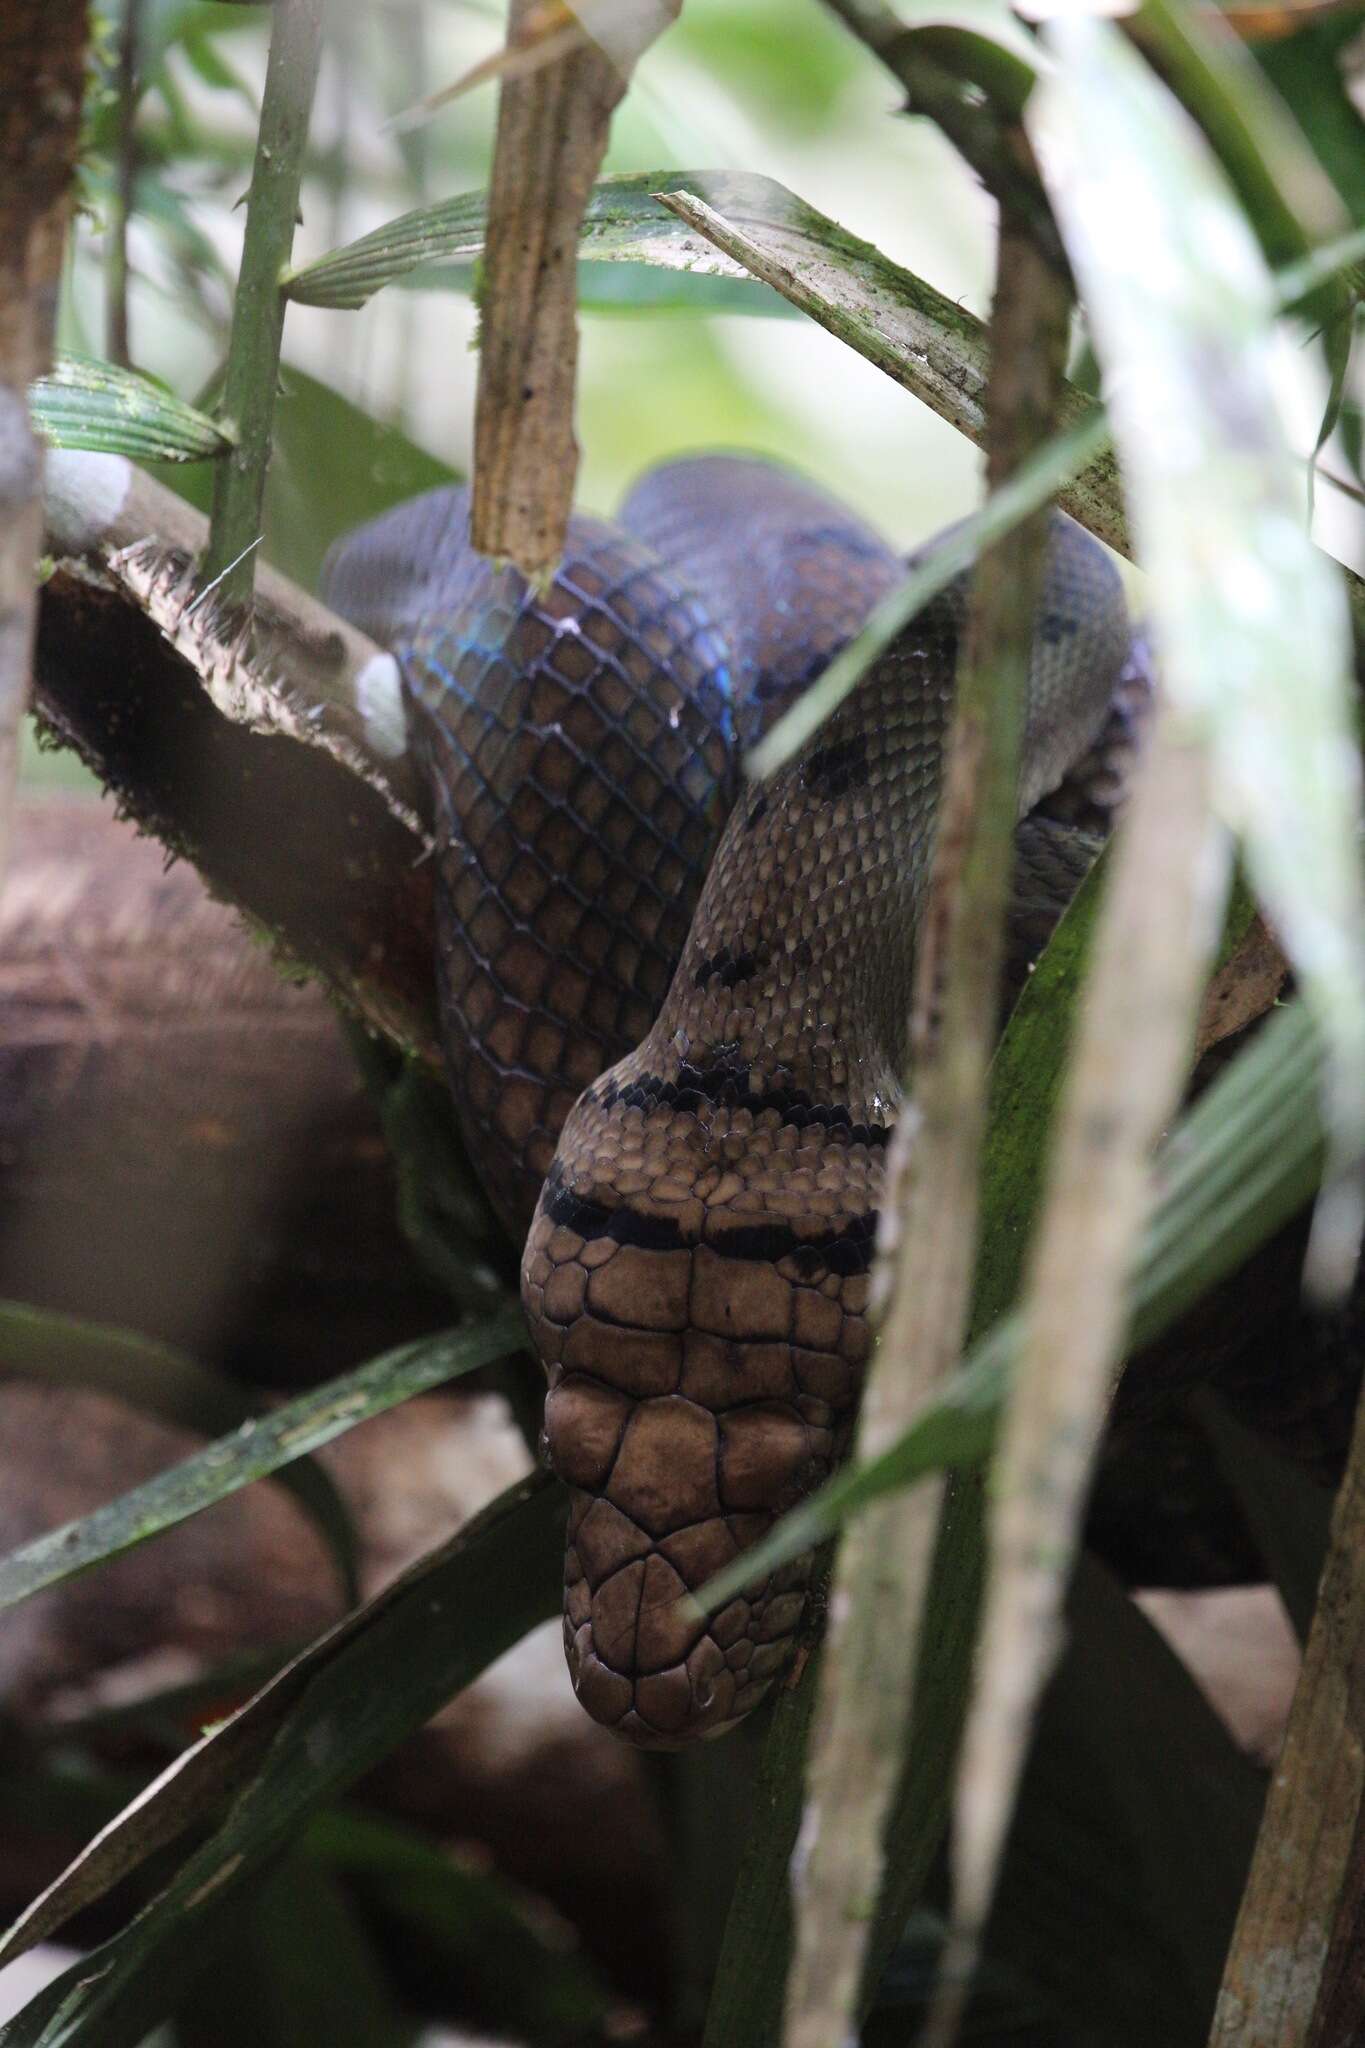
x=185 y=1144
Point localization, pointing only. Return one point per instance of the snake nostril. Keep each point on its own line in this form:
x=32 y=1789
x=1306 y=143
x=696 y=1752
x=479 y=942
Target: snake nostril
x=706 y=1693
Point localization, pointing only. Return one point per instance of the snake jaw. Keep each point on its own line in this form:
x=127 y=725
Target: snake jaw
x=681 y=1443
x=686 y=1678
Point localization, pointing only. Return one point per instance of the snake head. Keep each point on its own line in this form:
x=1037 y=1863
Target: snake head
x=697 y=1389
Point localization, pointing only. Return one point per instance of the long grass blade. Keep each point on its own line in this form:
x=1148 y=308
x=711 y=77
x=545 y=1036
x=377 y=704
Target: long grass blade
x=262 y=1445
x=1250 y=617
x=1034 y=484
x=68 y=1351
x=1156 y=937
x=313 y=1730
x=94 y=405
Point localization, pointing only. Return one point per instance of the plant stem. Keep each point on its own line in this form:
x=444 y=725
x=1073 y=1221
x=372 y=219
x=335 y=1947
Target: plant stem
x=258 y=311
x=1157 y=933
x=1293 y=1971
x=42 y=56
x=977 y=109
x=116 y=342
x=869 y=1676
x=553 y=126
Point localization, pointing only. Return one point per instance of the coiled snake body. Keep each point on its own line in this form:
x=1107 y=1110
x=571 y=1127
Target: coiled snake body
x=676 y=1042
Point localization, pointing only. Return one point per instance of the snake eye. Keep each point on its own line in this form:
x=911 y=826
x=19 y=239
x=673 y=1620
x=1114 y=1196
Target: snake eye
x=543 y=1451
x=706 y=1692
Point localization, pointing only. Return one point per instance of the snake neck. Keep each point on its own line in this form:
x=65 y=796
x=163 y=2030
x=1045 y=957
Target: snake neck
x=697 y=1273
x=696 y=1277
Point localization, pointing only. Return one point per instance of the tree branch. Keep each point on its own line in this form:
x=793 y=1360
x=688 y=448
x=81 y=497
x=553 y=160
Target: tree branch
x=42 y=57
x=553 y=125
x=266 y=748
x=931 y=1198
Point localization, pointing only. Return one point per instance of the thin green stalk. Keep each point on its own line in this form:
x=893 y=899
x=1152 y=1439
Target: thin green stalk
x=1035 y=483
x=261 y=1446
x=258 y=311
x=871 y=1674
x=1156 y=940
x=116 y=260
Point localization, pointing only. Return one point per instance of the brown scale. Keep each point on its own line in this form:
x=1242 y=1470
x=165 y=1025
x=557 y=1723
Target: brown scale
x=581 y=750
x=696 y=1271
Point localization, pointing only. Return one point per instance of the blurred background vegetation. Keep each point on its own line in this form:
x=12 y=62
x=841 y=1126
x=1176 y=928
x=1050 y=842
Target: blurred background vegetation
x=752 y=86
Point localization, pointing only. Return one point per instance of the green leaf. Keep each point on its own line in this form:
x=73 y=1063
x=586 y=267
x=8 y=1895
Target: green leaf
x=164 y=24
x=89 y=404
x=1307 y=71
x=1031 y=486
x=925 y=341
x=521 y=1979
x=1336 y=349
x=1288 y=1513
x=624 y=225
x=1135 y=1826
x=443 y=1211
x=66 y=1351
x=320 y=1725
x=751 y=1971
x=208 y=63
x=334 y=466
x=1125 y=1863
x=1288 y=197
x=260 y=1446
x=1251 y=618
x=1296 y=282
x=296 y=1965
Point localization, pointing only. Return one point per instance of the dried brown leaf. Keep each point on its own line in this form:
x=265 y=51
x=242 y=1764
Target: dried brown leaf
x=553 y=126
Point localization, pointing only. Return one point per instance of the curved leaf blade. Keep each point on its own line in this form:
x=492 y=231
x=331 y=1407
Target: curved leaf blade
x=1249 y=615
x=319 y=1725
x=67 y=1351
x=89 y=404
x=623 y=223
x=261 y=1446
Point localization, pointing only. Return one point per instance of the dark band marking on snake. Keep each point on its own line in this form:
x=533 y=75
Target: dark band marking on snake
x=677 y=1044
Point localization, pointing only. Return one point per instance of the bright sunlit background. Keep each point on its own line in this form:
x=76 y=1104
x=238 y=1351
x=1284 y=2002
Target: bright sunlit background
x=767 y=85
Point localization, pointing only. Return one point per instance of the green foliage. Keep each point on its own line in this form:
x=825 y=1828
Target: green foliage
x=260 y=1446
x=89 y=404
x=326 y=1719
x=1137 y=1815
x=63 y=1351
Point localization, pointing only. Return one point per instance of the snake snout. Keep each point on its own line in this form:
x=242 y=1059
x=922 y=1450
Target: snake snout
x=644 y=1658
x=681 y=1447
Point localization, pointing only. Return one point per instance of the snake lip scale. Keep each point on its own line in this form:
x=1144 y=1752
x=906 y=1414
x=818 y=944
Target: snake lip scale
x=674 y=1009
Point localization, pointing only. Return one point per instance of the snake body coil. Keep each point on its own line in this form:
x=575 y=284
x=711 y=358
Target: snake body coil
x=726 y=1001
